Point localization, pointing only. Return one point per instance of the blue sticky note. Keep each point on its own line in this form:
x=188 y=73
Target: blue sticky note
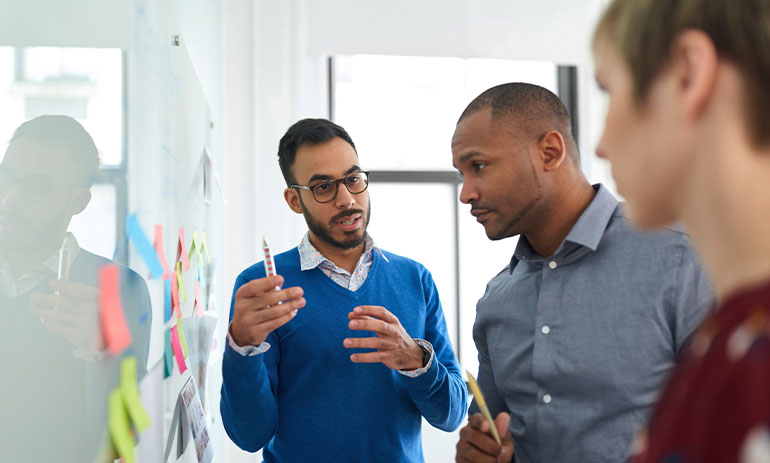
x=168 y=355
x=166 y=299
x=144 y=247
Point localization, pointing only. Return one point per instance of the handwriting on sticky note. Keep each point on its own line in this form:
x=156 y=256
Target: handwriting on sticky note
x=178 y=354
x=120 y=427
x=130 y=391
x=114 y=327
x=143 y=246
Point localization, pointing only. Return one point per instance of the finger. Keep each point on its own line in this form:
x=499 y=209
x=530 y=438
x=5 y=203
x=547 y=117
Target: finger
x=368 y=343
x=277 y=311
x=377 y=326
x=53 y=318
x=467 y=449
x=59 y=302
x=259 y=286
x=267 y=299
x=276 y=323
x=377 y=312
x=479 y=435
x=353 y=315
x=369 y=357
x=503 y=421
x=76 y=290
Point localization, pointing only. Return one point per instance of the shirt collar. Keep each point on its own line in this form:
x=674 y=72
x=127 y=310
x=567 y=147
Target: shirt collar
x=12 y=284
x=587 y=231
x=310 y=257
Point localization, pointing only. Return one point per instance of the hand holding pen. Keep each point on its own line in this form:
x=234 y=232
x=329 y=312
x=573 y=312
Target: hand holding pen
x=480 y=439
x=261 y=306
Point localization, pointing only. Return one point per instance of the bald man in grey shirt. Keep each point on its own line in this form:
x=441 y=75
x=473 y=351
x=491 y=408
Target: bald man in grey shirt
x=577 y=335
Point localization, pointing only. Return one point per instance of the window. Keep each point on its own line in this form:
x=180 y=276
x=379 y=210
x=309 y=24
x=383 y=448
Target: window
x=401 y=112
x=88 y=85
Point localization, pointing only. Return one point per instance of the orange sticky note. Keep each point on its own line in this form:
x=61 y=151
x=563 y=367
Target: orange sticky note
x=159 y=249
x=177 y=347
x=181 y=251
x=114 y=327
x=175 y=294
x=198 y=305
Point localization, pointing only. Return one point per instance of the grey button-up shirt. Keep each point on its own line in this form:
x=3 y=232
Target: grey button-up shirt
x=577 y=346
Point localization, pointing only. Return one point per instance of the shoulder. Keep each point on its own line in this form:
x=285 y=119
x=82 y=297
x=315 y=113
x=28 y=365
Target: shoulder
x=401 y=263
x=620 y=228
x=87 y=265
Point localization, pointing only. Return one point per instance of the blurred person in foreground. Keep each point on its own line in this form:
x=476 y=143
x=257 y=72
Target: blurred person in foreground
x=57 y=371
x=688 y=136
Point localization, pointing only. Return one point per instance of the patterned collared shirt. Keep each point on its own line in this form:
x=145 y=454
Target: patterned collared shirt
x=310 y=258
x=13 y=286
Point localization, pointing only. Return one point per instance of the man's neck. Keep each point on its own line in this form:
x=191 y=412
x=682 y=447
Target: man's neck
x=22 y=261
x=346 y=259
x=566 y=207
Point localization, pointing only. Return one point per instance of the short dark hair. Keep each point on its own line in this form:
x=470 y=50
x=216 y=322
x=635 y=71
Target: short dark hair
x=64 y=133
x=306 y=131
x=535 y=109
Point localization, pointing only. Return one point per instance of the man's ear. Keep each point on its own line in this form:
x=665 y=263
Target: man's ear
x=694 y=60
x=79 y=201
x=292 y=199
x=552 y=150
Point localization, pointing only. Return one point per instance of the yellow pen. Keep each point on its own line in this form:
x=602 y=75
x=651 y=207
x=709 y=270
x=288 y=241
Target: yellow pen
x=482 y=405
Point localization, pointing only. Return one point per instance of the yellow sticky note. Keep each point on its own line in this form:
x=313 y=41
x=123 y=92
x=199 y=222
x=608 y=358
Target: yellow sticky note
x=130 y=391
x=180 y=283
x=182 y=340
x=194 y=247
x=205 y=248
x=120 y=428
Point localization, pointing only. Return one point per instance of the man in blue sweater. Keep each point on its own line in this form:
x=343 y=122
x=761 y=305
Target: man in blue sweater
x=348 y=377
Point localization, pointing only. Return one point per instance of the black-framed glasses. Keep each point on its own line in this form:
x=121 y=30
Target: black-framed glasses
x=326 y=191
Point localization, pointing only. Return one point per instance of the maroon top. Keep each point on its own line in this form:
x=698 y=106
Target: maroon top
x=716 y=407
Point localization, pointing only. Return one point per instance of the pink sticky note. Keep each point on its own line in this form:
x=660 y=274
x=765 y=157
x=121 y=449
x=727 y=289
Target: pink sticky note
x=174 y=293
x=159 y=249
x=177 y=347
x=198 y=305
x=181 y=251
x=114 y=327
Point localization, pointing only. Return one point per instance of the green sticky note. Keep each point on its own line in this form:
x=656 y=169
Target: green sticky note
x=168 y=355
x=130 y=391
x=180 y=283
x=120 y=428
x=182 y=340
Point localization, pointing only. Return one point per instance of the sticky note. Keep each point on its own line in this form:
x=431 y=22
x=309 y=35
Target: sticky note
x=168 y=354
x=198 y=305
x=181 y=251
x=174 y=293
x=180 y=283
x=182 y=339
x=178 y=354
x=205 y=247
x=130 y=391
x=194 y=247
x=158 y=243
x=143 y=246
x=113 y=320
x=120 y=427
x=167 y=301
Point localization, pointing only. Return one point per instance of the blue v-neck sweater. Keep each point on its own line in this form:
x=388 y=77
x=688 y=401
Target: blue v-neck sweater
x=304 y=400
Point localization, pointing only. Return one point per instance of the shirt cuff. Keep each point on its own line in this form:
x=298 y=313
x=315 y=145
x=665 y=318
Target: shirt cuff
x=247 y=351
x=428 y=348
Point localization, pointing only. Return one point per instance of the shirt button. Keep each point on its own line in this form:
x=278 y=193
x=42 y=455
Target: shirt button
x=552 y=265
x=547 y=398
x=545 y=329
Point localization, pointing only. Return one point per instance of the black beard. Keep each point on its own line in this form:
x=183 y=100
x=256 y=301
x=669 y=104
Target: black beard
x=323 y=232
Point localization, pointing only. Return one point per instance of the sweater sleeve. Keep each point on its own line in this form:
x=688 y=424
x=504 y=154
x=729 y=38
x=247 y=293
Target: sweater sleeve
x=249 y=384
x=439 y=393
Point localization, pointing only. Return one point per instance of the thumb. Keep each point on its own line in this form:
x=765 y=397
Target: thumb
x=502 y=423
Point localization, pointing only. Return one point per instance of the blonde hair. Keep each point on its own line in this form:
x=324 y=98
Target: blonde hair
x=643 y=31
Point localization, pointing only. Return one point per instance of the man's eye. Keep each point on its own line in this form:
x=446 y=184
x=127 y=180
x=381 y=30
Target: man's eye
x=353 y=180
x=478 y=166
x=322 y=186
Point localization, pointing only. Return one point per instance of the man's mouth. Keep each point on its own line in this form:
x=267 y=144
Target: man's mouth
x=480 y=214
x=350 y=222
